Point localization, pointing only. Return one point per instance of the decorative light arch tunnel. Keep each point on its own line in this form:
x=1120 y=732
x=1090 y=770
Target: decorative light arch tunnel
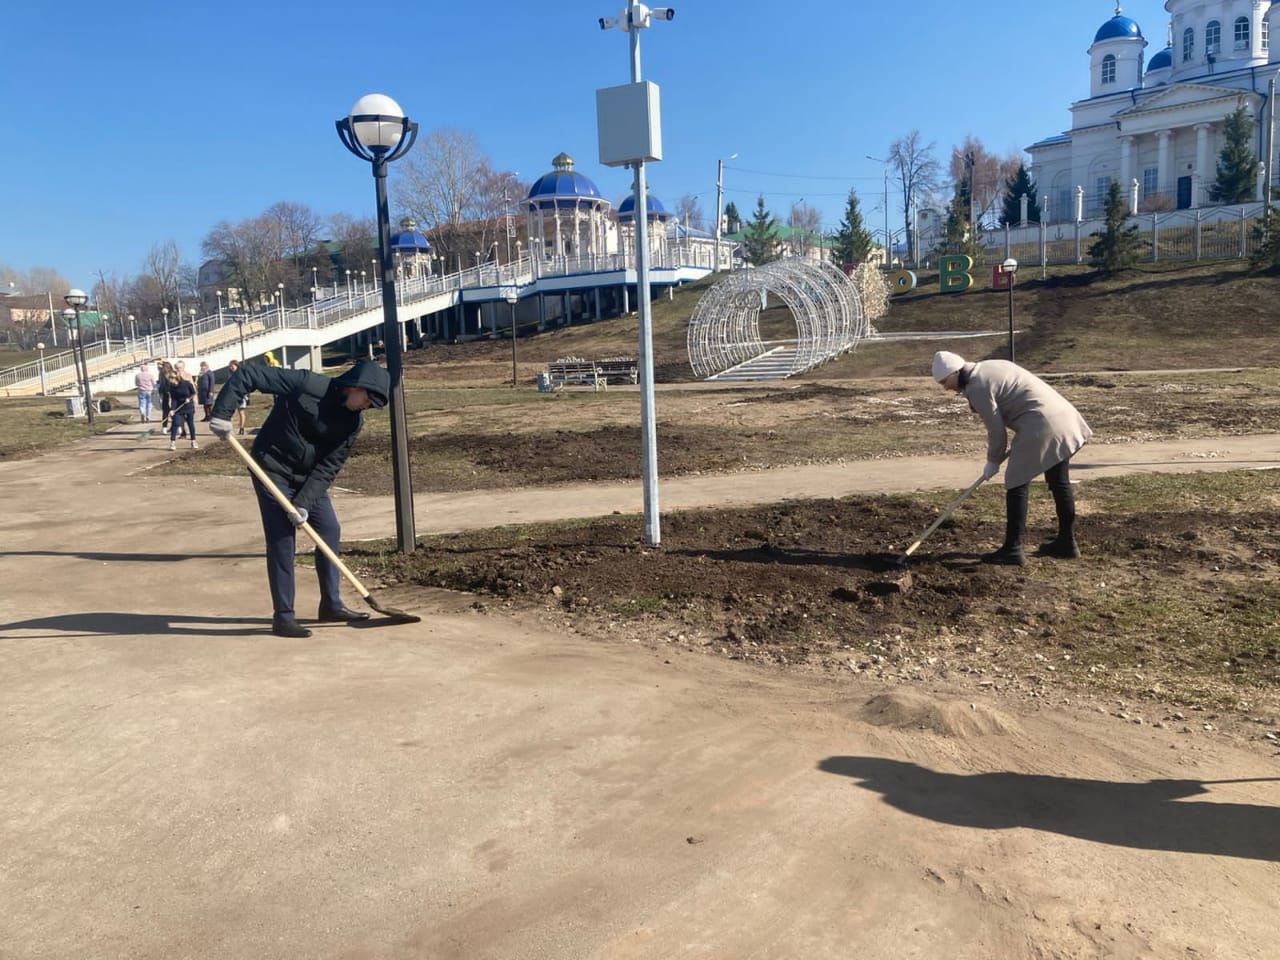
x=724 y=332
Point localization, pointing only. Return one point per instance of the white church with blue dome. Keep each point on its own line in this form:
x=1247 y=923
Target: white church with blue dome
x=1161 y=124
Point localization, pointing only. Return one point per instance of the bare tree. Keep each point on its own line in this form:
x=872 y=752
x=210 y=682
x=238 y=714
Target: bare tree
x=298 y=229
x=357 y=243
x=690 y=212
x=162 y=264
x=806 y=224
x=983 y=173
x=441 y=184
x=917 y=171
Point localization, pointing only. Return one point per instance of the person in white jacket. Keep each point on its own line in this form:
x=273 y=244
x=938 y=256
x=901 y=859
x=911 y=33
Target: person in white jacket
x=1047 y=432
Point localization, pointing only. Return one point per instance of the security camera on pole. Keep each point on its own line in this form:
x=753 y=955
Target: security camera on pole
x=629 y=124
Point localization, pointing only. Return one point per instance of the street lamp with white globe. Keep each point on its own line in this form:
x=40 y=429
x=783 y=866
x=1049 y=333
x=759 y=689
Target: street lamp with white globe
x=378 y=131
x=76 y=299
x=1010 y=270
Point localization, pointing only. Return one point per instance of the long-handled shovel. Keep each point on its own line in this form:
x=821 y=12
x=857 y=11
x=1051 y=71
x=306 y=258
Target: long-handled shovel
x=901 y=581
x=391 y=613
x=942 y=518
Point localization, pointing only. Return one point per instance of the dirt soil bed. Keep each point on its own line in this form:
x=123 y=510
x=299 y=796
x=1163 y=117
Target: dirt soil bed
x=474 y=440
x=1176 y=606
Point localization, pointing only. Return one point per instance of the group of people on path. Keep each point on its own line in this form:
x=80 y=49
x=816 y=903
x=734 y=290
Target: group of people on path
x=176 y=392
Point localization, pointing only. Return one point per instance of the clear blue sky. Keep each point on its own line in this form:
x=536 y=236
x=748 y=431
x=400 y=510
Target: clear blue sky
x=131 y=123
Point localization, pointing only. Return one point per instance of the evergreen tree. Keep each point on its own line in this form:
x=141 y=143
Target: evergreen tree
x=957 y=237
x=1117 y=246
x=761 y=236
x=1015 y=188
x=1266 y=236
x=1237 y=165
x=853 y=240
x=732 y=220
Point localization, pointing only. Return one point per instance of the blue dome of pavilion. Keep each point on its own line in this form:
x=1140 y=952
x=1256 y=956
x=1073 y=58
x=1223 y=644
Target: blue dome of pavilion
x=1118 y=27
x=562 y=185
x=653 y=207
x=410 y=240
x=1161 y=60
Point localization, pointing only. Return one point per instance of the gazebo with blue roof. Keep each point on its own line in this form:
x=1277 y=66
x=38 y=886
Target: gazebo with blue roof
x=411 y=250
x=566 y=216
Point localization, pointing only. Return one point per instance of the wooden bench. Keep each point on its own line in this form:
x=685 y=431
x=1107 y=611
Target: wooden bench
x=574 y=372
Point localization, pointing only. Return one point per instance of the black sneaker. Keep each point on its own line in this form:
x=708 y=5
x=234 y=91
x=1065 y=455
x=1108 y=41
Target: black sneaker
x=1060 y=548
x=288 y=626
x=1006 y=557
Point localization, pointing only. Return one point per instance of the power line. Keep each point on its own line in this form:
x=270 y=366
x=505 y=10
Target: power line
x=797 y=176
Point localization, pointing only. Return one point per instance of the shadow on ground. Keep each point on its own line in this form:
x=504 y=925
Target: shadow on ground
x=1144 y=816
x=107 y=623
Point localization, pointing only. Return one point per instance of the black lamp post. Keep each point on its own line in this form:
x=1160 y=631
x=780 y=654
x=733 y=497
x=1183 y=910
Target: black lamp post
x=513 y=297
x=75 y=300
x=378 y=131
x=1010 y=270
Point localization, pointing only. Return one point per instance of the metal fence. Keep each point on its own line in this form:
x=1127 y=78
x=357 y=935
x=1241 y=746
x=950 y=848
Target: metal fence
x=1205 y=233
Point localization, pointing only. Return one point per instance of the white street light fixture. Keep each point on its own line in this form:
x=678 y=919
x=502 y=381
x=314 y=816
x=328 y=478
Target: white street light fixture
x=719 y=204
x=76 y=299
x=377 y=130
x=1010 y=268
x=44 y=388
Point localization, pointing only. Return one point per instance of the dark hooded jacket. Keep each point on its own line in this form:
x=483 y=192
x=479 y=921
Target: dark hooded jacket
x=307 y=436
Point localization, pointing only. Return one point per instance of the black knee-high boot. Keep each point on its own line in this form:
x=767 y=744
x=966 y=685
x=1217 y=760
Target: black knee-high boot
x=1010 y=553
x=1064 y=544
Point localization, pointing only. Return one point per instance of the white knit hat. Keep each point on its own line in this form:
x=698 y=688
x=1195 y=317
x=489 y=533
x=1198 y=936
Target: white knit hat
x=945 y=364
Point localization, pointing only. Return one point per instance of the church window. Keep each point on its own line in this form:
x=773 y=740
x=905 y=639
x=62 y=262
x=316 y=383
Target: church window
x=1150 y=181
x=1242 y=33
x=1266 y=35
x=1109 y=69
x=1212 y=37
x=1101 y=187
x=1188 y=44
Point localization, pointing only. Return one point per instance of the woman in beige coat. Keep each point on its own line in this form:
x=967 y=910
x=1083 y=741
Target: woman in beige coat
x=1047 y=431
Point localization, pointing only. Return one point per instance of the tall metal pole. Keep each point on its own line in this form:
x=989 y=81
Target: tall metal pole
x=888 y=252
x=1269 y=165
x=1012 y=276
x=648 y=427
x=400 y=477
x=719 y=202
x=514 y=375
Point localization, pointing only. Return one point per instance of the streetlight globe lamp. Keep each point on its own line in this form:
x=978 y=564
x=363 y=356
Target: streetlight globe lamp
x=512 y=296
x=377 y=130
x=1010 y=269
x=76 y=299
x=44 y=387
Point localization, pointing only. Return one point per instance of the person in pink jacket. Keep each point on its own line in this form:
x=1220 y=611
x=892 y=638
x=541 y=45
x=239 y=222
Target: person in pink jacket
x=145 y=382
x=1047 y=432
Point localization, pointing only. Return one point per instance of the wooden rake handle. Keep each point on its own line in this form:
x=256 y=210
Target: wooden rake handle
x=290 y=509
x=945 y=515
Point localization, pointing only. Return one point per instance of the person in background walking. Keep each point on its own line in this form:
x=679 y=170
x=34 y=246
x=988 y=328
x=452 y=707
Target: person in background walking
x=1047 y=432
x=204 y=390
x=145 y=383
x=182 y=410
x=232 y=367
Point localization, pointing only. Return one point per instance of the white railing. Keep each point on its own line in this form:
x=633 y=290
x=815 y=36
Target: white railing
x=226 y=327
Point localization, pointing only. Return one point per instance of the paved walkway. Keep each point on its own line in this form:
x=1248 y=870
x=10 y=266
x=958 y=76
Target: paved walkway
x=176 y=783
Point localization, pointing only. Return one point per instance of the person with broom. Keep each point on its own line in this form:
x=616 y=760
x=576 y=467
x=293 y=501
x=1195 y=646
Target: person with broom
x=301 y=446
x=1047 y=432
